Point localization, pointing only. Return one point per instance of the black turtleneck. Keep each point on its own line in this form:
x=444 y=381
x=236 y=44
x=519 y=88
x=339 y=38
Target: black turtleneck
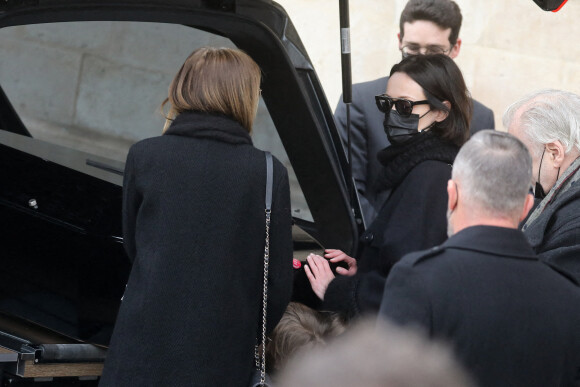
x=210 y=126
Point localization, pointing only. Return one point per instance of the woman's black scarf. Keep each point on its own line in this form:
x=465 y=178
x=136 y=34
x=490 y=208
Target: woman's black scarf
x=212 y=126
x=399 y=160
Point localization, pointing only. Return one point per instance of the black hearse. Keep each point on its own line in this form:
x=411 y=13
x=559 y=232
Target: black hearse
x=64 y=93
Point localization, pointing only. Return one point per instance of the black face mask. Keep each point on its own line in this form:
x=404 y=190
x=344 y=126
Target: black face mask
x=399 y=129
x=539 y=191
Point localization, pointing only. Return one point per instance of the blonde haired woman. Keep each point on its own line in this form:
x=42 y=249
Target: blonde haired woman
x=193 y=223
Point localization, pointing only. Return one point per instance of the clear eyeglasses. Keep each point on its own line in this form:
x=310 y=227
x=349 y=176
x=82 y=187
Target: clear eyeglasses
x=414 y=49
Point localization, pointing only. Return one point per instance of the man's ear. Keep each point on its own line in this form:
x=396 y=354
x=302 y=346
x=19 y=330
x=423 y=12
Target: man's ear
x=455 y=49
x=400 y=40
x=556 y=153
x=528 y=204
x=440 y=115
x=452 y=195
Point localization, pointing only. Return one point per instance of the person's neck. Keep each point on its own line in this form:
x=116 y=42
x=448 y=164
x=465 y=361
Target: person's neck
x=569 y=160
x=470 y=218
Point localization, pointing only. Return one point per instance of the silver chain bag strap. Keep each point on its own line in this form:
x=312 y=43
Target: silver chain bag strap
x=260 y=371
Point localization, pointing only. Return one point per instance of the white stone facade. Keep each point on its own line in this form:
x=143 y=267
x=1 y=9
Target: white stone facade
x=510 y=47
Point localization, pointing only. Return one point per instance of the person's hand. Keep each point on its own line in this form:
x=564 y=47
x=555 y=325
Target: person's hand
x=338 y=256
x=319 y=274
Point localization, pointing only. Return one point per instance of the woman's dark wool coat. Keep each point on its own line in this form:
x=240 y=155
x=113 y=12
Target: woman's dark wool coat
x=194 y=228
x=413 y=218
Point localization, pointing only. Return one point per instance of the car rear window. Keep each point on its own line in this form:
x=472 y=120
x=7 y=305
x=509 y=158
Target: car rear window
x=97 y=87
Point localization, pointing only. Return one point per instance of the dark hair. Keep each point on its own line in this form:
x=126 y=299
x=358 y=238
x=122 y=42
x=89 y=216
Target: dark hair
x=444 y=13
x=441 y=81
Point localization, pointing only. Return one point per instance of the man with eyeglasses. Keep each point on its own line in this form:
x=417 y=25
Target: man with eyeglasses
x=548 y=123
x=426 y=27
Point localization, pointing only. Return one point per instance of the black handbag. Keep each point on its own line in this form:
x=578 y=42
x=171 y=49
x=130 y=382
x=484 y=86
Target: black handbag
x=259 y=377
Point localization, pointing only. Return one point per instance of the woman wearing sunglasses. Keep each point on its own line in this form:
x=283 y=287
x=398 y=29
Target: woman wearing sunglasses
x=427 y=113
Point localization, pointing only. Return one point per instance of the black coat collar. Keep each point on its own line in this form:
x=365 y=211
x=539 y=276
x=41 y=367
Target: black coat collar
x=210 y=126
x=500 y=241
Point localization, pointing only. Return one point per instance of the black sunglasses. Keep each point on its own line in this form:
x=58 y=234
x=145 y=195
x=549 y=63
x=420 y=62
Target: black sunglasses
x=403 y=106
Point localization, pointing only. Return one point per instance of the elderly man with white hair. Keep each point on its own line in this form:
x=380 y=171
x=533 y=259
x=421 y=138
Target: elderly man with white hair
x=548 y=122
x=512 y=319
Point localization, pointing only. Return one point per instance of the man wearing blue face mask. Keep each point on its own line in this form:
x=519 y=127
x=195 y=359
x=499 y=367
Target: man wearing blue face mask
x=426 y=27
x=548 y=122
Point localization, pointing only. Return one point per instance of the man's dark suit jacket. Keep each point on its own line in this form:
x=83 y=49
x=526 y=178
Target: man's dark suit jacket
x=512 y=319
x=368 y=138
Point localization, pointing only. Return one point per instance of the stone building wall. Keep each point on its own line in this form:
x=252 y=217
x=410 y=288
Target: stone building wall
x=510 y=48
